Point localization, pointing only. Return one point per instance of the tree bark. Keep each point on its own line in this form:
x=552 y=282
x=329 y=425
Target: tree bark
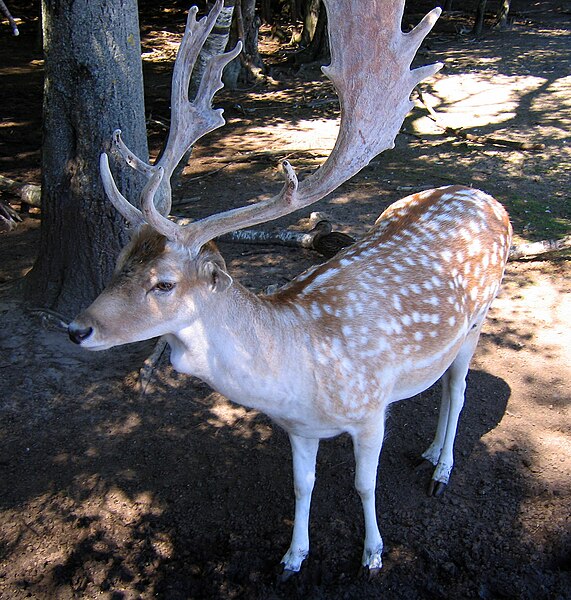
x=93 y=85
x=502 y=16
x=246 y=68
x=318 y=48
x=479 y=18
x=215 y=44
x=310 y=20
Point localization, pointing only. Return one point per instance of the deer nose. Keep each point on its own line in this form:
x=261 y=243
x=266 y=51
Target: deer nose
x=78 y=334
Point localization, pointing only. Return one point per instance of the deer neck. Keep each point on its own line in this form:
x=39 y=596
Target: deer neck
x=244 y=347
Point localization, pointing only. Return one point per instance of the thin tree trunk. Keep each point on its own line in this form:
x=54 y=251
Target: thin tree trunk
x=318 y=49
x=502 y=16
x=310 y=20
x=479 y=19
x=247 y=67
x=93 y=85
x=215 y=44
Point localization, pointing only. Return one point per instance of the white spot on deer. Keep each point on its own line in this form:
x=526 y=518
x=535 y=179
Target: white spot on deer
x=427 y=285
x=415 y=288
x=406 y=320
x=396 y=326
x=418 y=336
x=452 y=321
x=397 y=303
x=475 y=247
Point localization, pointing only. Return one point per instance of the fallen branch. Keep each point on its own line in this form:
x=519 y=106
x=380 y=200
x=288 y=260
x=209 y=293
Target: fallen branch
x=151 y=362
x=327 y=242
x=321 y=238
x=50 y=319
x=265 y=154
x=538 y=248
x=9 y=218
x=478 y=139
x=27 y=192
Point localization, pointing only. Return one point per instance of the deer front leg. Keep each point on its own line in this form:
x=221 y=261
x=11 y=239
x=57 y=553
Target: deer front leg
x=304 y=452
x=367 y=449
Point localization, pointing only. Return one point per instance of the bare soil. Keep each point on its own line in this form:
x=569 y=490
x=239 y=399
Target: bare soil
x=107 y=492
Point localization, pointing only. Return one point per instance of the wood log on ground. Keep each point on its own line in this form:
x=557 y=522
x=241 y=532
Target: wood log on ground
x=28 y=193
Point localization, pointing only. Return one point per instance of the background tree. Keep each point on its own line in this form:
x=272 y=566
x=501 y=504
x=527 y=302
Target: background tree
x=93 y=85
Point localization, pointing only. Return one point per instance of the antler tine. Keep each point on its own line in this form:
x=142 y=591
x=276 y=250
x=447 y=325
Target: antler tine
x=416 y=36
x=129 y=156
x=151 y=215
x=191 y=120
x=132 y=214
x=370 y=68
x=196 y=234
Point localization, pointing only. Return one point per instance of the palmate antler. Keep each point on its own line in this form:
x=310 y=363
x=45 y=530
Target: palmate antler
x=370 y=69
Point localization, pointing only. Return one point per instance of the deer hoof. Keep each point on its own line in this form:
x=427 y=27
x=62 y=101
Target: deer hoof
x=436 y=488
x=286 y=574
x=369 y=573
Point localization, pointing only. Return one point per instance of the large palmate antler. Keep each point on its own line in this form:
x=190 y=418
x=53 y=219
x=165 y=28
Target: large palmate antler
x=189 y=120
x=370 y=68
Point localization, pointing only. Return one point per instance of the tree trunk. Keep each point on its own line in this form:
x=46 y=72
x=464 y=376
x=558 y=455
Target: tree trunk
x=93 y=85
x=502 y=16
x=479 y=19
x=215 y=44
x=246 y=68
x=310 y=20
x=318 y=48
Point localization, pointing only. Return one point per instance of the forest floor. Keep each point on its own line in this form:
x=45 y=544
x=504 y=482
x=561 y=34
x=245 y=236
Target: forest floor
x=106 y=492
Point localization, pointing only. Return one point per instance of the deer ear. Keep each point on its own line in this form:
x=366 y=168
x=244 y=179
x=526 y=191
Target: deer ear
x=216 y=276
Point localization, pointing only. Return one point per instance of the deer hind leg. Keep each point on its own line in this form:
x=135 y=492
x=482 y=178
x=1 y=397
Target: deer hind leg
x=367 y=449
x=441 y=452
x=304 y=452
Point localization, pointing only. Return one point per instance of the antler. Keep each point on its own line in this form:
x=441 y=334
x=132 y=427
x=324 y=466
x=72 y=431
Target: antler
x=370 y=69
x=189 y=122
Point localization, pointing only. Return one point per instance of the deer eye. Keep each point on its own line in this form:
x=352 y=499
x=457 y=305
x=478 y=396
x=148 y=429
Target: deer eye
x=164 y=286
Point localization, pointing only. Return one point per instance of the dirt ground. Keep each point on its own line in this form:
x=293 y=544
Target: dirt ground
x=106 y=492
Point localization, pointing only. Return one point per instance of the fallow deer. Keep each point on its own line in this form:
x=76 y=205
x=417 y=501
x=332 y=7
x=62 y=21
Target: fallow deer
x=380 y=322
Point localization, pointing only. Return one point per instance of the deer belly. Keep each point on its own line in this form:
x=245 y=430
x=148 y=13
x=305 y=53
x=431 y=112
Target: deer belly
x=419 y=373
